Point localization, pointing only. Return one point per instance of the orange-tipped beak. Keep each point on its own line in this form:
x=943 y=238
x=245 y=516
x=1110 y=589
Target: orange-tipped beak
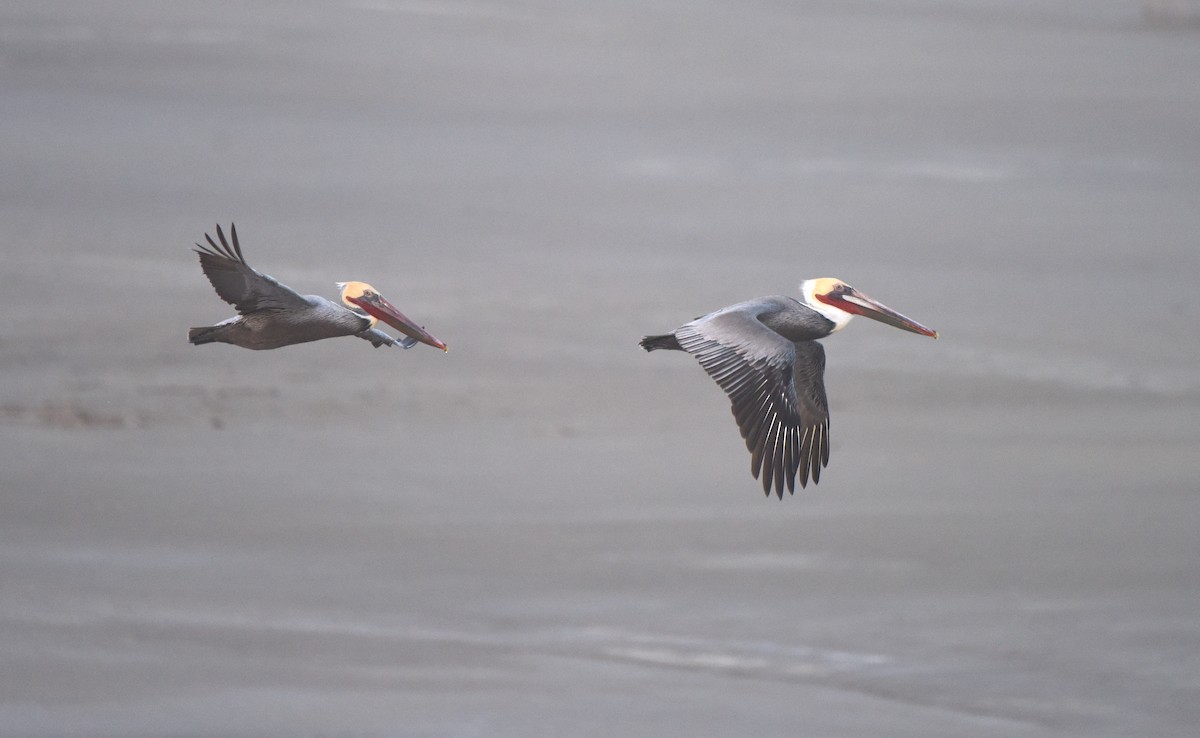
x=379 y=307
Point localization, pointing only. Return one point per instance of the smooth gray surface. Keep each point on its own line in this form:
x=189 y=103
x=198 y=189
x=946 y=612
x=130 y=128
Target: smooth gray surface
x=547 y=531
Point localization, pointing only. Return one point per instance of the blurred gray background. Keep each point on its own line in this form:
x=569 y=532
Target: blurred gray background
x=547 y=531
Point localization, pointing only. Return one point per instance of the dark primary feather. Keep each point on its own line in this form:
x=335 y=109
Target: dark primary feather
x=776 y=390
x=237 y=283
x=808 y=377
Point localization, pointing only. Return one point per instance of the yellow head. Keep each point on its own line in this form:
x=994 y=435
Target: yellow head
x=352 y=292
x=821 y=295
x=355 y=290
x=822 y=285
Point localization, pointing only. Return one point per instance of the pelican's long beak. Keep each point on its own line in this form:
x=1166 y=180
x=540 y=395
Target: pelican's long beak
x=378 y=306
x=856 y=302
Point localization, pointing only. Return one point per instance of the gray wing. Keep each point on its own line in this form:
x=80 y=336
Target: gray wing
x=239 y=285
x=379 y=338
x=761 y=371
x=808 y=376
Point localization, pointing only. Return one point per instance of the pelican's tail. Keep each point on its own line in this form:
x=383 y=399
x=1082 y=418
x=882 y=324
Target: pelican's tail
x=666 y=341
x=203 y=334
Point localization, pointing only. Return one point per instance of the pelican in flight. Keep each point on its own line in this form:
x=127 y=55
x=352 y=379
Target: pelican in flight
x=764 y=354
x=271 y=315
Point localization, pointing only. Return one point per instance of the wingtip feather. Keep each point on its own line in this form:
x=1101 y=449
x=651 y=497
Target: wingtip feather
x=237 y=247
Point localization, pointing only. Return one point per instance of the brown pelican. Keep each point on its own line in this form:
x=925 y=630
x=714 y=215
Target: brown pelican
x=271 y=315
x=764 y=354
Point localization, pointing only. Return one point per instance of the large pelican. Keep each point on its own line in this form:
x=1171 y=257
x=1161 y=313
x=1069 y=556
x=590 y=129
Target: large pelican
x=271 y=315
x=764 y=354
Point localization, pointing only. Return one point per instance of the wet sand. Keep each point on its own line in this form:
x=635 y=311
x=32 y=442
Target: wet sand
x=547 y=531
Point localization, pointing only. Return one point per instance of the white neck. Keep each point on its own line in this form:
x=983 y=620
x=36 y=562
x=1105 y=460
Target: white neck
x=837 y=316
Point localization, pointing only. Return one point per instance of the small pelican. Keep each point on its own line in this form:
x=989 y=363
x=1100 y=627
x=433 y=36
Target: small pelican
x=271 y=315
x=764 y=354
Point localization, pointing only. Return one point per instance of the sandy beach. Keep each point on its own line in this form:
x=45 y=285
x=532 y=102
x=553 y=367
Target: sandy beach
x=547 y=531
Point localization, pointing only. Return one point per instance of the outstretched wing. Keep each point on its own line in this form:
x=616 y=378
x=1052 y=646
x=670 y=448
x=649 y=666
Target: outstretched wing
x=237 y=283
x=776 y=389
